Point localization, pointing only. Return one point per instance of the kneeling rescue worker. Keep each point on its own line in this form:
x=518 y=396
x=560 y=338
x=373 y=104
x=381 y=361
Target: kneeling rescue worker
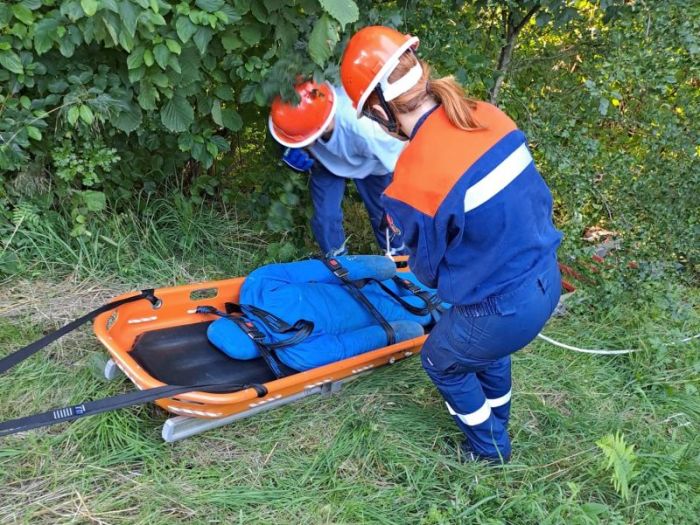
x=322 y=135
x=477 y=220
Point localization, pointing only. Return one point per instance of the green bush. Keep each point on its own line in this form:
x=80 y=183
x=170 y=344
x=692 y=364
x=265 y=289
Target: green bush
x=103 y=98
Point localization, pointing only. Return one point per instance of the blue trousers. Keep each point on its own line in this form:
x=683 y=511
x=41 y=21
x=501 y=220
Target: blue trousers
x=467 y=356
x=327 y=192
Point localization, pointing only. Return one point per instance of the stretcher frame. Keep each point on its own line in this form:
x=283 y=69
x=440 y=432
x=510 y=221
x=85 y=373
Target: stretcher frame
x=196 y=412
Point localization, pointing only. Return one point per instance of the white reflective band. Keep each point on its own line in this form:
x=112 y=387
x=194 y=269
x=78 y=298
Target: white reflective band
x=391 y=90
x=499 y=401
x=473 y=418
x=499 y=178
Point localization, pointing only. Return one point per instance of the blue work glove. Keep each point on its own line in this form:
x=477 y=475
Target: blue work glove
x=297 y=159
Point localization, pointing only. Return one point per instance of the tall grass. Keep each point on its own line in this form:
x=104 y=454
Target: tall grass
x=382 y=451
x=156 y=239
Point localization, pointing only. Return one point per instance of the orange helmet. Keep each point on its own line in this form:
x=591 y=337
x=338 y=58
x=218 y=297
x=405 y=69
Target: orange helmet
x=369 y=58
x=298 y=126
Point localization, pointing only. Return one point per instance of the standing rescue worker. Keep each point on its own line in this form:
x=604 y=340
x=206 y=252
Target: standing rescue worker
x=322 y=135
x=477 y=220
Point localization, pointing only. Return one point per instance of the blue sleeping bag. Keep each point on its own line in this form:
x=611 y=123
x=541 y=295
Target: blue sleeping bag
x=308 y=290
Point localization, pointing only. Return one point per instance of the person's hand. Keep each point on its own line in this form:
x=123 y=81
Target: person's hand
x=297 y=159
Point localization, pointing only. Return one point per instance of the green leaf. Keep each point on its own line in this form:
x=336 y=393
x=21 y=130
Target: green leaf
x=89 y=6
x=173 y=46
x=72 y=10
x=94 y=200
x=23 y=14
x=129 y=119
x=323 y=39
x=344 y=11
x=147 y=96
x=216 y=113
x=231 y=41
x=212 y=149
x=274 y=5
x=25 y=102
x=148 y=58
x=221 y=143
x=231 y=13
x=190 y=63
x=161 y=54
x=258 y=11
x=86 y=114
x=160 y=79
x=154 y=6
x=110 y=5
x=185 y=29
x=108 y=22
x=174 y=64
x=10 y=61
x=73 y=115
x=136 y=74
x=231 y=119
x=126 y=41
x=177 y=115
x=210 y=6
x=202 y=38
x=44 y=34
x=66 y=47
x=251 y=34
x=135 y=58
x=129 y=16
x=33 y=132
x=224 y=92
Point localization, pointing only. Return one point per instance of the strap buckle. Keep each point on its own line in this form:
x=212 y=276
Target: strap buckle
x=251 y=330
x=338 y=269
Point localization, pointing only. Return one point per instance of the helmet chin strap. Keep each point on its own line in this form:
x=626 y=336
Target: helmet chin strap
x=391 y=123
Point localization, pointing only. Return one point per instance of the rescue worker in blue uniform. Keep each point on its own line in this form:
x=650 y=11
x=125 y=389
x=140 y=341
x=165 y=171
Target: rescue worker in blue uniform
x=322 y=136
x=477 y=220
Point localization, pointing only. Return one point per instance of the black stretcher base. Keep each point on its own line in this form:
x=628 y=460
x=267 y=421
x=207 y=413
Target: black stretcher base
x=183 y=355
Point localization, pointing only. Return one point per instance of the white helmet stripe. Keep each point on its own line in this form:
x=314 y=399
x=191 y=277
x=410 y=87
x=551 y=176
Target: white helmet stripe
x=385 y=71
x=391 y=90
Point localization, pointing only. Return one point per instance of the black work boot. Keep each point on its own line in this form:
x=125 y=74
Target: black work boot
x=469 y=456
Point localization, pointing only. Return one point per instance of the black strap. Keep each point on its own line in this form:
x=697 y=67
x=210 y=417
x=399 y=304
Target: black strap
x=90 y=408
x=302 y=327
x=432 y=301
x=351 y=286
x=20 y=355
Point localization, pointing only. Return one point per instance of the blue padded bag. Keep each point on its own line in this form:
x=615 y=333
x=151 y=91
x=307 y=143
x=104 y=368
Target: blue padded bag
x=308 y=290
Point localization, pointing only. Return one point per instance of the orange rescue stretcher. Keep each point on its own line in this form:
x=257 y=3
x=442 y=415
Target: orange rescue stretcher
x=166 y=343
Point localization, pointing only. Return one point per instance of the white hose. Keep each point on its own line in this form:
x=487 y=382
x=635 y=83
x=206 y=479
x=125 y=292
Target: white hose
x=602 y=352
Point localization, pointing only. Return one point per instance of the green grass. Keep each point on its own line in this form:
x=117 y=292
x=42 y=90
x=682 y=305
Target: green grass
x=382 y=451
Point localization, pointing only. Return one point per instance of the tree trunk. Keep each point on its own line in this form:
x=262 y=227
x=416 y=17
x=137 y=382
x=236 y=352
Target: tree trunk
x=511 y=32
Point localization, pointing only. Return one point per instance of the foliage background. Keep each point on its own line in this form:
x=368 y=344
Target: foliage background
x=107 y=103
x=133 y=153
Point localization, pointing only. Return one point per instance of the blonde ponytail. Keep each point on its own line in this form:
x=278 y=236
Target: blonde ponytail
x=457 y=105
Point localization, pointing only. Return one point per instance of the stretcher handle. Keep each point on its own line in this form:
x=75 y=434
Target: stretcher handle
x=20 y=355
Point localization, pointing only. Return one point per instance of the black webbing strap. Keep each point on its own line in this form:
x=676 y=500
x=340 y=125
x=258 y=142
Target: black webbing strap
x=341 y=273
x=432 y=301
x=302 y=327
x=90 y=408
x=20 y=355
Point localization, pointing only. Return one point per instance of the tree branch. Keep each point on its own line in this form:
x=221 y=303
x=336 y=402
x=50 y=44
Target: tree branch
x=511 y=32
